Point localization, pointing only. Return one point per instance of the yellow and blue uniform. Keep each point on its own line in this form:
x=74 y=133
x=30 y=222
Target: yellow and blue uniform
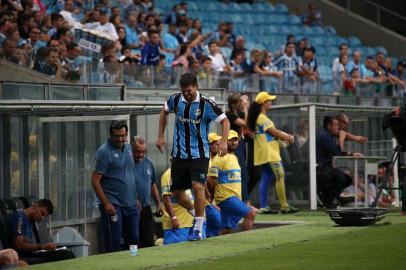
x=227 y=192
x=184 y=218
x=213 y=218
x=267 y=154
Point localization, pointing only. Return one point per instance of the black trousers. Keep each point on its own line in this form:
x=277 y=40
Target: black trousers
x=330 y=183
x=47 y=256
x=147 y=228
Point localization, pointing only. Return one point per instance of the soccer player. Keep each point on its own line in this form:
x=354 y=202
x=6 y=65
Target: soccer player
x=190 y=151
x=224 y=181
x=213 y=218
x=176 y=221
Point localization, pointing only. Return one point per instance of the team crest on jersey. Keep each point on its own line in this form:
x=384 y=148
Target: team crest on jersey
x=198 y=112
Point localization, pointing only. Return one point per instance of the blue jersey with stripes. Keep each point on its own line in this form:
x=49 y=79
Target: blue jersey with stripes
x=288 y=65
x=192 y=124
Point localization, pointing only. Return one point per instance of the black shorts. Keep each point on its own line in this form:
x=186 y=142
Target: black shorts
x=184 y=171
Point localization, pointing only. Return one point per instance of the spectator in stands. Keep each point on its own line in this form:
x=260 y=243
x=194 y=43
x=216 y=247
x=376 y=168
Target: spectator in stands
x=313 y=16
x=355 y=63
x=145 y=179
x=379 y=73
x=114 y=184
x=239 y=46
x=64 y=36
x=182 y=33
x=343 y=50
x=105 y=26
x=226 y=191
x=343 y=124
x=150 y=52
x=237 y=67
x=147 y=6
x=197 y=26
x=9 y=259
x=122 y=41
x=133 y=9
x=73 y=62
x=205 y=75
x=182 y=57
x=21 y=236
x=9 y=49
x=181 y=17
x=70 y=14
x=131 y=33
x=25 y=23
x=288 y=64
x=111 y=71
x=380 y=59
x=169 y=40
x=330 y=181
x=267 y=151
x=5 y=27
x=366 y=69
x=223 y=37
x=57 y=23
x=33 y=42
x=399 y=74
x=218 y=63
x=269 y=73
x=52 y=66
x=116 y=20
x=309 y=71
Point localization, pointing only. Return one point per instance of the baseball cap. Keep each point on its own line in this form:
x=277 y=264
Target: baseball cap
x=263 y=97
x=232 y=134
x=213 y=137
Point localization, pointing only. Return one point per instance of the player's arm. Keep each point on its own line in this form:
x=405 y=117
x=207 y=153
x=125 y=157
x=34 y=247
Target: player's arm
x=169 y=209
x=211 y=183
x=355 y=138
x=281 y=135
x=163 y=121
x=223 y=142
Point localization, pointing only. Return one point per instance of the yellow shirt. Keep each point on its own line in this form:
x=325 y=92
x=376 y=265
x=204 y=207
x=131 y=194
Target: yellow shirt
x=266 y=147
x=228 y=173
x=184 y=218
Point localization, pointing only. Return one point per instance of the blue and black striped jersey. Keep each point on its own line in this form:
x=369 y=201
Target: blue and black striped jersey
x=192 y=124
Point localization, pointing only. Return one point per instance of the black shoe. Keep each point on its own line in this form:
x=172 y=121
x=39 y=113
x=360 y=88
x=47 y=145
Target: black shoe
x=289 y=210
x=267 y=211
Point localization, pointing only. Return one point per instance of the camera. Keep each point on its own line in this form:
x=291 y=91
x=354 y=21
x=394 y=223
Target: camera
x=396 y=121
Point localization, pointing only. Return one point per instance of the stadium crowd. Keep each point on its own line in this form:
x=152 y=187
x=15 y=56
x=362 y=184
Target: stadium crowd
x=134 y=33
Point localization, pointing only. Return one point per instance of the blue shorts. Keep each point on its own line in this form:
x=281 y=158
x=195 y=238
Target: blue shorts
x=232 y=210
x=213 y=221
x=172 y=236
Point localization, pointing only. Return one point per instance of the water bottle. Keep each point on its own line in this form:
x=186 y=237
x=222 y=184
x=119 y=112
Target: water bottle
x=133 y=250
x=114 y=218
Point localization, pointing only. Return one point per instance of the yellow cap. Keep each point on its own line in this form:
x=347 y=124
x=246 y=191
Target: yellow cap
x=264 y=96
x=213 y=137
x=232 y=134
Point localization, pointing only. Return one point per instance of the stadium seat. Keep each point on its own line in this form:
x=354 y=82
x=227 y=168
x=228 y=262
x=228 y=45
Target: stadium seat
x=294 y=20
x=329 y=30
x=354 y=41
x=281 y=8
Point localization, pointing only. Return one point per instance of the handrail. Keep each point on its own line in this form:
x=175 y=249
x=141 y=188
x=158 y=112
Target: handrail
x=385 y=9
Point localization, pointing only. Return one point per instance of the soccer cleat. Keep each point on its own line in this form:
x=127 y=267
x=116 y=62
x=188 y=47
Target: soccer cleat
x=289 y=210
x=195 y=236
x=267 y=211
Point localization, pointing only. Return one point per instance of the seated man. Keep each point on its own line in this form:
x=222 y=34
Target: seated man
x=9 y=259
x=330 y=181
x=224 y=181
x=343 y=124
x=21 y=236
x=177 y=221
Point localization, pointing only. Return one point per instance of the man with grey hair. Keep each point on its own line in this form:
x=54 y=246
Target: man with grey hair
x=145 y=181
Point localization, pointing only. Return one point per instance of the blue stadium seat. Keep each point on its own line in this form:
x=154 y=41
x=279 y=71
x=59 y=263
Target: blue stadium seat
x=329 y=30
x=281 y=8
x=332 y=51
x=354 y=41
x=294 y=20
x=246 y=7
x=381 y=49
x=226 y=52
x=281 y=19
x=264 y=7
x=321 y=51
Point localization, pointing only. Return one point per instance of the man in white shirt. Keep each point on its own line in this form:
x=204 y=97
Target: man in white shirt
x=217 y=59
x=105 y=27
